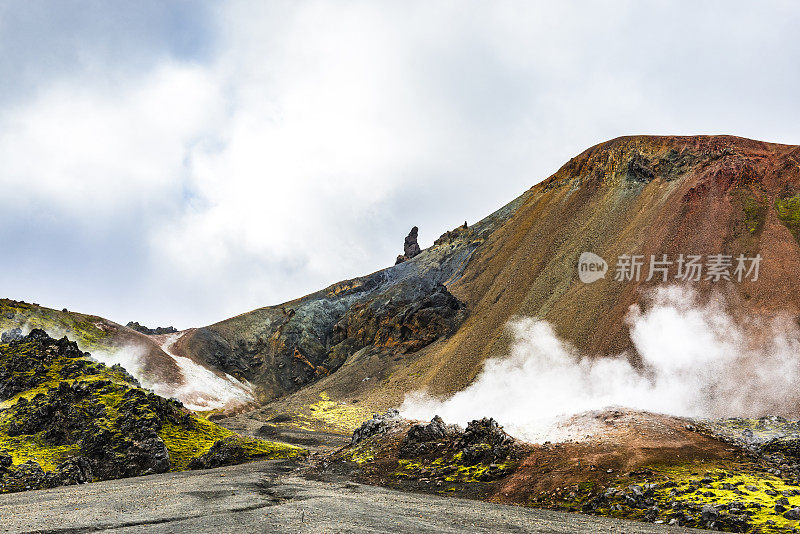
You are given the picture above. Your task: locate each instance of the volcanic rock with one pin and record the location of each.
(423, 432)
(410, 247)
(793, 514)
(422, 438)
(379, 424)
(5, 460)
(114, 428)
(484, 440)
(74, 471)
(28, 475)
(15, 334)
(133, 325)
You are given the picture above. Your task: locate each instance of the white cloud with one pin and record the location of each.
(92, 151)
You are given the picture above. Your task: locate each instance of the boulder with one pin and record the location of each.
(422, 432)
(159, 330)
(27, 476)
(793, 514)
(15, 334)
(379, 424)
(74, 471)
(421, 438)
(5, 460)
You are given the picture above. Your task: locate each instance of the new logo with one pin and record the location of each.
(591, 267)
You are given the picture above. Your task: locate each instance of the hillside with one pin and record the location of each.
(146, 357)
(732, 475)
(68, 419)
(633, 195)
(659, 417)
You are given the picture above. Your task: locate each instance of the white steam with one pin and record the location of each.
(199, 388)
(202, 389)
(130, 357)
(696, 360)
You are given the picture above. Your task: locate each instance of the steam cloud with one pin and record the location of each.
(200, 389)
(696, 360)
(203, 389)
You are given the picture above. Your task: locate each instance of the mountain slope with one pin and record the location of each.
(334, 356)
(66, 419)
(147, 357)
(633, 195)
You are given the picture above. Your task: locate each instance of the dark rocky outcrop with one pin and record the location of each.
(452, 235)
(407, 325)
(379, 424)
(301, 344)
(30, 475)
(639, 170)
(96, 422)
(74, 471)
(433, 453)
(26, 476)
(133, 325)
(32, 357)
(410, 247)
(79, 413)
(484, 440)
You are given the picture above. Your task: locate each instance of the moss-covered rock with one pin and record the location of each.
(65, 419)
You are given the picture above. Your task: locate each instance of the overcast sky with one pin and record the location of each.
(181, 162)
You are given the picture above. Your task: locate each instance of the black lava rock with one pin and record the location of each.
(379, 424)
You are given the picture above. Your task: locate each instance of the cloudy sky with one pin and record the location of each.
(181, 162)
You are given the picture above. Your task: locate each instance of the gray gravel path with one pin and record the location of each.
(273, 497)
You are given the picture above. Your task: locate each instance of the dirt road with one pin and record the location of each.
(273, 497)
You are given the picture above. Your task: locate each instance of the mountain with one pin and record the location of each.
(558, 261)
(430, 322)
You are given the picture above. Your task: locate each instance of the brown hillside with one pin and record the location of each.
(366, 342)
(632, 195)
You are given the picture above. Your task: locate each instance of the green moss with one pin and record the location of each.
(703, 483)
(335, 415)
(83, 329)
(789, 214)
(453, 468)
(186, 443)
(97, 406)
(755, 214)
(24, 448)
(360, 454)
(269, 450)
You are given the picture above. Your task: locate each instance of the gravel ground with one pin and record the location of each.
(272, 497)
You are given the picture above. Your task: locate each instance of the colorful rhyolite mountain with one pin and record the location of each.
(336, 355)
